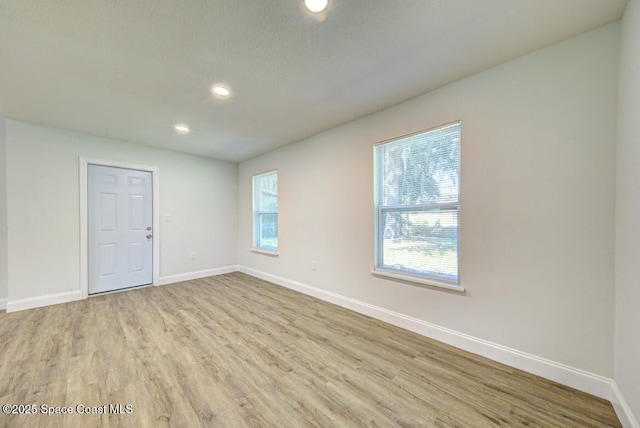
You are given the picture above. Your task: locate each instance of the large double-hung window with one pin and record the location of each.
(417, 206)
(265, 211)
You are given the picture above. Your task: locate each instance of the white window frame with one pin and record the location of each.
(257, 247)
(409, 276)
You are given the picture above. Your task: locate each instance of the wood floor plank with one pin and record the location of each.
(236, 351)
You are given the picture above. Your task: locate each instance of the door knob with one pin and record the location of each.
(149, 236)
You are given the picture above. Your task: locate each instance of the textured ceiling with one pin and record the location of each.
(131, 69)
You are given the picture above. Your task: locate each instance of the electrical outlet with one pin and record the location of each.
(193, 255)
(314, 266)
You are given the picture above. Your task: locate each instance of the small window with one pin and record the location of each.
(265, 211)
(417, 205)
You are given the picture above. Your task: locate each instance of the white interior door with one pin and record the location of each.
(120, 228)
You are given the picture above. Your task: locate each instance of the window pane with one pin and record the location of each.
(417, 203)
(268, 197)
(265, 210)
(268, 231)
(422, 242)
(422, 168)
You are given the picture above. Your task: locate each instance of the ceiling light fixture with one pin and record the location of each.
(221, 91)
(181, 128)
(316, 5)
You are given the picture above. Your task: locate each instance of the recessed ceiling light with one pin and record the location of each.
(316, 5)
(181, 128)
(221, 91)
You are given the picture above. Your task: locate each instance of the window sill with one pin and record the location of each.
(420, 281)
(272, 253)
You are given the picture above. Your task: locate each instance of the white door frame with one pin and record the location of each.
(84, 236)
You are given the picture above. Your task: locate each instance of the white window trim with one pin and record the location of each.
(255, 215)
(417, 280)
(271, 253)
(405, 276)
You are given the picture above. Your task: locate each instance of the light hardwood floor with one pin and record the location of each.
(236, 351)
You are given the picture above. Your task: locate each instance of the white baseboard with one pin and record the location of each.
(164, 280)
(70, 296)
(627, 419)
(36, 302)
(599, 386)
